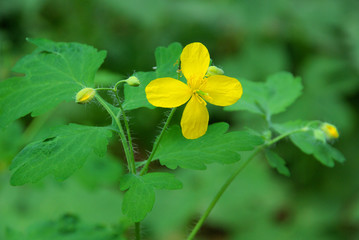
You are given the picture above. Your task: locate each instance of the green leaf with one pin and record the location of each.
(167, 60)
(308, 143)
(277, 162)
(140, 197)
(254, 94)
(63, 152)
(54, 73)
(135, 97)
(283, 90)
(269, 98)
(167, 65)
(215, 146)
(161, 180)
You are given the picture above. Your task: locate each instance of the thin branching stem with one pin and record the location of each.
(132, 160)
(120, 128)
(242, 165)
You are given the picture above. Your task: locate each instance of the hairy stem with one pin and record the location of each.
(121, 132)
(132, 159)
(157, 142)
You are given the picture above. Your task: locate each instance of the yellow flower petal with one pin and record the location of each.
(195, 118)
(222, 90)
(167, 92)
(194, 63)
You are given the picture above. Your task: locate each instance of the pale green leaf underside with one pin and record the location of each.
(215, 146)
(307, 142)
(271, 97)
(140, 197)
(54, 72)
(63, 152)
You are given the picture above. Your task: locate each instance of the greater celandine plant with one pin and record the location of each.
(57, 72)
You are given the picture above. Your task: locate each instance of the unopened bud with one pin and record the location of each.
(330, 131)
(85, 95)
(133, 81)
(213, 70)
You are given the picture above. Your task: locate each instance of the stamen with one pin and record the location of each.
(201, 93)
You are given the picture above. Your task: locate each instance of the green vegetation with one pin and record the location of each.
(281, 163)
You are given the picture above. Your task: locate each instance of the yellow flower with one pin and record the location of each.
(218, 89)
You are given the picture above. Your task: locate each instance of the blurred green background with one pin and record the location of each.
(317, 40)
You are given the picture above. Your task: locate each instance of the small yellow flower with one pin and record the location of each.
(219, 90)
(330, 131)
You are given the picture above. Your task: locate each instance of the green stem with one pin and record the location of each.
(157, 142)
(220, 193)
(242, 165)
(138, 230)
(132, 160)
(118, 83)
(121, 132)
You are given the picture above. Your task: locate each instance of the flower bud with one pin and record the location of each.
(133, 81)
(85, 95)
(213, 70)
(329, 130)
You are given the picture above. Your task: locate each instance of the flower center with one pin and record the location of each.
(202, 94)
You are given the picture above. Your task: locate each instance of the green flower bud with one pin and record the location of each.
(133, 81)
(213, 70)
(85, 95)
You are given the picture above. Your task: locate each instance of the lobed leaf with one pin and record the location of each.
(283, 90)
(167, 60)
(269, 98)
(63, 152)
(161, 180)
(167, 65)
(306, 141)
(215, 146)
(140, 197)
(54, 73)
(135, 97)
(277, 162)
